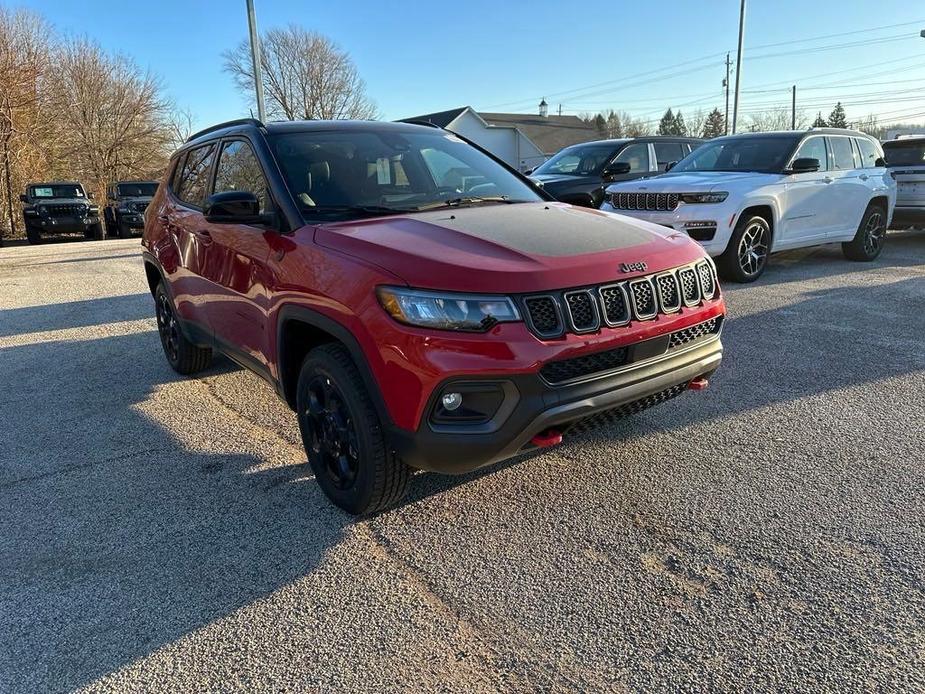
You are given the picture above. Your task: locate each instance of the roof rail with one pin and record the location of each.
(226, 124)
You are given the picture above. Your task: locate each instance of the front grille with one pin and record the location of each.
(582, 311)
(585, 309)
(599, 363)
(605, 417)
(544, 316)
(643, 296)
(556, 372)
(661, 202)
(690, 287)
(679, 338)
(139, 206)
(65, 210)
(669, 296)
(615, 304)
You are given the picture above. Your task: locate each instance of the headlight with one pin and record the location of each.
(704, 197)
(446, 310)
(92, 210)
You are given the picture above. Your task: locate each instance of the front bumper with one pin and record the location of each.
(67, 225)
(540, 406)
(723, 215)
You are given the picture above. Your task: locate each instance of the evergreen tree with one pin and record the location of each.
(820, 121)
(837, 118)
(600, 124)
(680, 127)
(715, 124)
(666, 125)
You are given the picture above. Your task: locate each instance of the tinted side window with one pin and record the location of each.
(637, 155)
(842, 153)
(194, 179)
(813, 148)
(667, 152)
(238, 169)
(174, 180)
(869, 153)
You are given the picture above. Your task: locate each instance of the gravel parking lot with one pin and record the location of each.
(158, 532)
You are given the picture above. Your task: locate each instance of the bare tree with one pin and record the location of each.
(776, 119)
(305, 76)
(23, 56)
(180, 125)
(113, 116)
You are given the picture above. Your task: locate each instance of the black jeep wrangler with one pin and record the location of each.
(59, 208)
(126, 202)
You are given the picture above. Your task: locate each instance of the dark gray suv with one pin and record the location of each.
(59, 208)
(126, 202)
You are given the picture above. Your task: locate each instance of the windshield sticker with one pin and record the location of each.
(44, 193)
(383, 173)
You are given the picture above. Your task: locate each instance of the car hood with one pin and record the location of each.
(694, 181)
(524, 247)
(62, 201)
(141, 198)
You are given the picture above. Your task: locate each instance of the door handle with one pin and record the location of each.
(827, 179)
(863, 177)
(163, 219)
(204, 236)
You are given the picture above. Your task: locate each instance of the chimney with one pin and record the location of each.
(544, 108)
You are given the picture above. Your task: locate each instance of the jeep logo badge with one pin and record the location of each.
(633, 267)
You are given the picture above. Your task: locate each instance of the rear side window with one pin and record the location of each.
(194, 178)
(238, 169)
(667, 152)
(636, 155)
(813, 148)
(842, 153)
(904, 152)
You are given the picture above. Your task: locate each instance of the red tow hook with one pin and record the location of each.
(545, 439)
(699, 383)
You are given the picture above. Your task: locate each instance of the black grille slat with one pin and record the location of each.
(65, 210)
(614, 303)
(707, 281)
(643, 295)
(690, 286)
(600, 419)
(543, 314)
(656, 202)
(582, 310)
(668, 292)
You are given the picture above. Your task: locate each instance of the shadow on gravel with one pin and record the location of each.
(75, 314)
(89, 259)
(116, 538)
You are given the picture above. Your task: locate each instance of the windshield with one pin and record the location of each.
(904, 152)
(345, 174)
(56, 191)
(137, 190)
(578, 160)
(761, 154)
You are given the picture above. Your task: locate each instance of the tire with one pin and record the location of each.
(110, 224)
(125, 232)
(33, 235)
(343, 436)
(96, 232)
(183, 356)
(746, 256)
(870, 237)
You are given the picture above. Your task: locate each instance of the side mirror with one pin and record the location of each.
(804, 165)
(89, 196)
(234, 207)
(23, 198)
(880, 162)
(530, 171)
(618, 168)
(670, 165)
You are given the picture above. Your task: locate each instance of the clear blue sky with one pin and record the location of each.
(504, 55)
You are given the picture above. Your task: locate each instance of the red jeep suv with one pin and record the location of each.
(416, 301)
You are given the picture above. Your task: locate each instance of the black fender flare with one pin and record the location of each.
(289, 313)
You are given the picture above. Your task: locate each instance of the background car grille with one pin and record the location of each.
(65, 210)
(582, 311)
(599, 419)
(598, 363)
(679, 338)
(543, 315)
(139, 206)
(642, 298)
(644, 201)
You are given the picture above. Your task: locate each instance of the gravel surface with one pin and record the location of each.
(164, 533)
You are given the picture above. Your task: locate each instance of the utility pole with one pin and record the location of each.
(726, 85)
(793, 110)
(560, 109)
(735, 105)
(255, 57)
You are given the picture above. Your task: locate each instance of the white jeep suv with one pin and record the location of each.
(743, 196)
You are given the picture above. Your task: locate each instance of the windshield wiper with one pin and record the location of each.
(469, 200)
(364, 210)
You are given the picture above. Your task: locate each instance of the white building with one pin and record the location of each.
(522, 140)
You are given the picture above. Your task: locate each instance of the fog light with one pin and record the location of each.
(451, 401)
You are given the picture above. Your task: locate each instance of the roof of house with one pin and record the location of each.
(549, 133)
